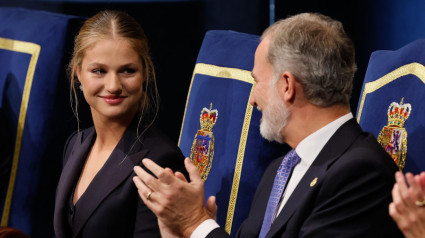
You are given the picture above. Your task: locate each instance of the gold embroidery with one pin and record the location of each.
(216, 71)
(34, 50)
(238, 167)
(393, 137)
(416, 69)
(236, 74)
(202, 151)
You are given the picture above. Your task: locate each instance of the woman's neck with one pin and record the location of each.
(109, 132)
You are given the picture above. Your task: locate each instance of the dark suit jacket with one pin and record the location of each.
(111, 206)
(350, 198)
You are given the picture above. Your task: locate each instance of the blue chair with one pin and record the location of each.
(34, 115)
(391, 104)
(220, 131)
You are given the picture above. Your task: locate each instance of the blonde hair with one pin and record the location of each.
(109, 25)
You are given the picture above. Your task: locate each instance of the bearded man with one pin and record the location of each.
(335, 182)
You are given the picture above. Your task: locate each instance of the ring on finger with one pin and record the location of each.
(420, 203)
(149, 194)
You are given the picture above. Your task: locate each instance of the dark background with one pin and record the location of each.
(175, 29)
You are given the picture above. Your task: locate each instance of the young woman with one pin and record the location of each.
(96, 196)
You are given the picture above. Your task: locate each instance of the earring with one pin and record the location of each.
(81, 87)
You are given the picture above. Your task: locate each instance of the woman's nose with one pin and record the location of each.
(113, 84)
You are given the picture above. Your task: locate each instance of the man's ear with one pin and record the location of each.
(286, 86)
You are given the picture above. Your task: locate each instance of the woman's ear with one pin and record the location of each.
(77, 73)
(77, 81)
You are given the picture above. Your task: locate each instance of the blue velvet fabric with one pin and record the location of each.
(408, 83)
(40, 151)
(230, 96)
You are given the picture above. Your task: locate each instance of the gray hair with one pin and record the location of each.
(317, 51)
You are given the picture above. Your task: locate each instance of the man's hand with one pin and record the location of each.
(212, 207)
(179, 205)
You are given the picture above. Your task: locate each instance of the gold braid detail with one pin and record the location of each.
(236, 74)
(34, 50)
(416, 69)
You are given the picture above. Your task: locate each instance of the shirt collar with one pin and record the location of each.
(310, 147)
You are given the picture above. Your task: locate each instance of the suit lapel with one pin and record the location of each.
(336, 146)
(70, 175)
(118, 167)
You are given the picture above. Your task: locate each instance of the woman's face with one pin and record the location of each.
(111, 79)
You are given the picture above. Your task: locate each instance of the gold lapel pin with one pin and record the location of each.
(313, 182)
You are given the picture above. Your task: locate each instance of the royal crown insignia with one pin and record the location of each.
(393, 137)
(202, 151)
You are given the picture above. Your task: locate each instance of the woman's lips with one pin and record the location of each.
(113, 100)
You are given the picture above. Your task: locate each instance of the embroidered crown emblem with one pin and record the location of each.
(393, 137)
(398, 113)
(208, 118)
(202, 151)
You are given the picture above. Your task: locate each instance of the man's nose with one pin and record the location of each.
(252, 100)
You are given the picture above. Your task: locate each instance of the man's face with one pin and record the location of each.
(266, 96)
(262, 74)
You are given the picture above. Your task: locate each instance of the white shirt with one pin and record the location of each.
(307, 150)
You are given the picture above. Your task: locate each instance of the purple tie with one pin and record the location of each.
(282, 176)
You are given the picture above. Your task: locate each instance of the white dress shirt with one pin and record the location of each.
(307, 150)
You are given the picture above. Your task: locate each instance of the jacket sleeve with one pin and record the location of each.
(218, 233)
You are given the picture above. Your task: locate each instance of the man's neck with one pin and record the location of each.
(308, 119)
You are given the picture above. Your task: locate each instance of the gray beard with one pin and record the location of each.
(275, 117)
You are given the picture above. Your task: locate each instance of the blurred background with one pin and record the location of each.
(175, 29)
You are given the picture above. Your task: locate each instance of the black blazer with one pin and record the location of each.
(111, 206)
(350, 197)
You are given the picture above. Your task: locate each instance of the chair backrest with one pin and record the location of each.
(391, 104)
(34, 114)
(220, 130)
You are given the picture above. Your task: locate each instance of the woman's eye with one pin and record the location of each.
(129, 71)
(98, 71)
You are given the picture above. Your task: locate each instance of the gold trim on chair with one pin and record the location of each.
(238, 167)
(416, 69)
(34, 50)
(237, 74)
